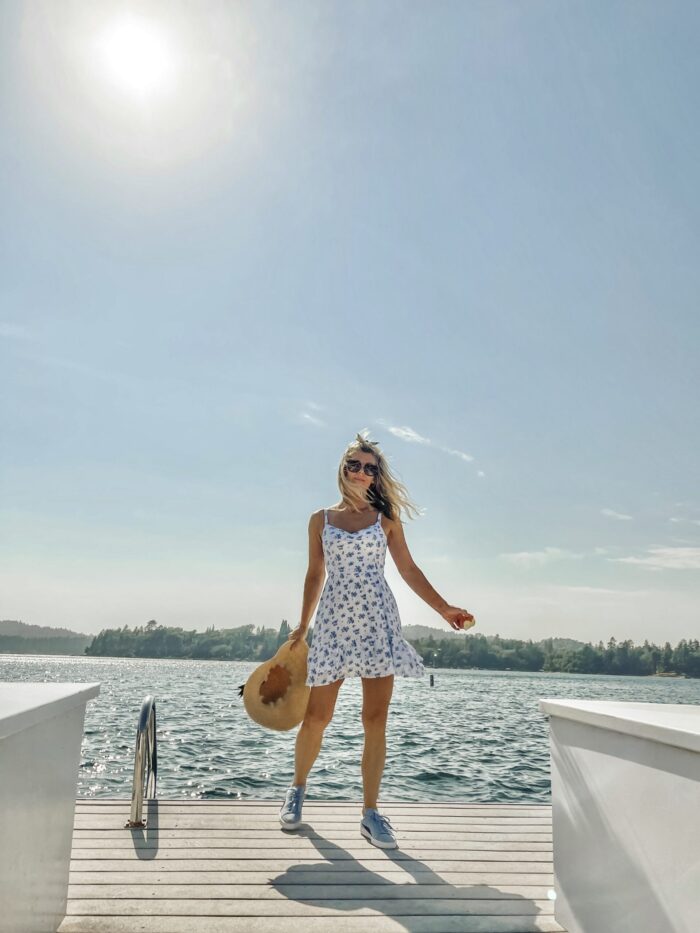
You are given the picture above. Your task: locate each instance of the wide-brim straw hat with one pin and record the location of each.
(275, 695)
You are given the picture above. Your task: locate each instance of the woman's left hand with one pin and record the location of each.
(458, 618)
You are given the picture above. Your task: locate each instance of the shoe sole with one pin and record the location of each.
(375, 842)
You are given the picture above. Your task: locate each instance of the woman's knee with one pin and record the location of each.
(319, 709)
(375, 718)
(376, 697)
(318, 718)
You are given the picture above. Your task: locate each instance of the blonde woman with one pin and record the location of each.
(357, 629)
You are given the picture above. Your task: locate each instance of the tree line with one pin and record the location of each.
(251, 643)
(70, 644)
(623, 657)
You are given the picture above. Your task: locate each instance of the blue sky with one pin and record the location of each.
(470, 229)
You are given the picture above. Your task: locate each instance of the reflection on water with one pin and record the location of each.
(475, 736)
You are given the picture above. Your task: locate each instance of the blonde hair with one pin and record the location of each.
(386, 492)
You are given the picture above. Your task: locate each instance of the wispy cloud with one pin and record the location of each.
(411, 436)
(611, 513)
(82, 369)
(537, 558)
(10, 331)
(307, 416)
(408, 434)
(665, 558)
(457, 453)
(597, 590)
(312, 419)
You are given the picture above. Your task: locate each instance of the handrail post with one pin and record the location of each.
(145, 763)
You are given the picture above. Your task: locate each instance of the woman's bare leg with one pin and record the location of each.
(376, 695)
(319, 713)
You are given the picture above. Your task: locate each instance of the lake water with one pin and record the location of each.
(476, 736)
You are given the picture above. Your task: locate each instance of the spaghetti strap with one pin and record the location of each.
(325, 517)
(379, 517)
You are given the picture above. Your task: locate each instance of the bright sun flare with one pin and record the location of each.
(135, 56)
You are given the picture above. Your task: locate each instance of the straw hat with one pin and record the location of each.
(275, 695)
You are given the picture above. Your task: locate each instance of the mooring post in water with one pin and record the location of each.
(432, 680)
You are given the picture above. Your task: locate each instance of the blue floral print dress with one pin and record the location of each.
(357, 628)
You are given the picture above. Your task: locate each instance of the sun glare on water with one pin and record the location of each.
(135, 56)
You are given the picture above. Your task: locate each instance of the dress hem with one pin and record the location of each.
(369, 676)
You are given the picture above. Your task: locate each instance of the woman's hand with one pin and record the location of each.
(298, 634)
(458, 618)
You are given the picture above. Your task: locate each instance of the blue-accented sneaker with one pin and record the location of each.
(378, 829)
(290, 811)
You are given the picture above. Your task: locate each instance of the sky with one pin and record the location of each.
(234, 235)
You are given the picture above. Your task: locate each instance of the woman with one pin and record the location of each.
(358, 629)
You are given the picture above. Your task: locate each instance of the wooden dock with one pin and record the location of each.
(203, 866)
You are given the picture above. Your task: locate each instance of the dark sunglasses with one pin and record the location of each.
(355, 465)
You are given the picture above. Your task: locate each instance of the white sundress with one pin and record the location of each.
(357, 629)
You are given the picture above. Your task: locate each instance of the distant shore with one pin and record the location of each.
(438, 649)
(256, 661)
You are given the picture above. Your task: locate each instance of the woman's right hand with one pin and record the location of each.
(297, 635)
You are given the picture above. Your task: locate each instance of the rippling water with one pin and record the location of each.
(476, 736)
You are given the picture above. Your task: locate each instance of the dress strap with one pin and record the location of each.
(379, 517)
(325, 517)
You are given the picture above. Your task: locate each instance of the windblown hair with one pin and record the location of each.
(386, 492)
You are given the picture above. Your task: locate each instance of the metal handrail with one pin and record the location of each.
(145, 763)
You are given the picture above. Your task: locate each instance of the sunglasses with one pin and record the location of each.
(355, 465)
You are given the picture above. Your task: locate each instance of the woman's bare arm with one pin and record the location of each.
(417, 580)
(316, 572)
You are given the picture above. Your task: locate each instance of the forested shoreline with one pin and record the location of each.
(70, 645)
(438, 648)
(450, 650)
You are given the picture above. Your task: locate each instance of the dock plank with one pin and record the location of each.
(377, 923)
(226, 866)
(259, 860)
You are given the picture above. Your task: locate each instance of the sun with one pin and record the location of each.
(134, 55)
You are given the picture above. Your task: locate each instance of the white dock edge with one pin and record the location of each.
(625, 815)
(41, 730)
